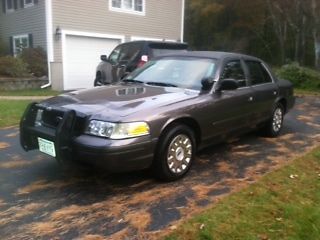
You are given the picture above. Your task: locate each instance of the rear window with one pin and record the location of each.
(157, 52)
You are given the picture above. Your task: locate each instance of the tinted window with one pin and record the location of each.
(155, 52)
(233, 70)
(258, 74)
(125, 53)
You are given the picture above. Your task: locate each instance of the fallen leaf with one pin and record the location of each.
(202, 226)
(173, 227)
(263, 237)
(293, 176)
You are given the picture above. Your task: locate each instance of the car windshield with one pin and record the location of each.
(174, 72)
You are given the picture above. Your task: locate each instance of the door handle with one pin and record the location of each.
(275, 92)
(250, 99)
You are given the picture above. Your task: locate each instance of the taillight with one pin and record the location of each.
(143, 60)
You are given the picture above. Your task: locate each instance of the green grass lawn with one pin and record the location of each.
(276, 207)
(30, 92)
(11, 111)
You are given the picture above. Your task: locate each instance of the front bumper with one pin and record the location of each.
(115, 155)
(71, 145)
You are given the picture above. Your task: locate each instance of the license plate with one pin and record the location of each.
(47, 147)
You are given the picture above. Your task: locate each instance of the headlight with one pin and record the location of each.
(38, 120)
(117, 130)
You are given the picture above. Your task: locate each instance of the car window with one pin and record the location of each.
(129, 52)
(234, 70)
(258, 73)
(155, 52)
(181, 72)
(125, 53)
(114, 56)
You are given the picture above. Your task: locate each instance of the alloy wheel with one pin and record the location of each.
(179, 154)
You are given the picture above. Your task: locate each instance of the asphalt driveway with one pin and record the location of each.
(39, 199)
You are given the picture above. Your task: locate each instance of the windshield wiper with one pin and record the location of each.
(162, 84)
(131, 81)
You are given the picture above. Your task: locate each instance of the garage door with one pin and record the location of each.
(82, 55)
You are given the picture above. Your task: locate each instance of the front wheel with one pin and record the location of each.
(274, 125)
(175, 153)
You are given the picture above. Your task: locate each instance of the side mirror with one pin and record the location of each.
(104, 58)
(228, 84)
(207, 83)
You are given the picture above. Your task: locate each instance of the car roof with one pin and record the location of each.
(149, 42)
(211, 54)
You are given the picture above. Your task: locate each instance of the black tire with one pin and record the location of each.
(172, 166)
(98, 81)
(274, 126)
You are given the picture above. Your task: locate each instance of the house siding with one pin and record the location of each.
(30, 20)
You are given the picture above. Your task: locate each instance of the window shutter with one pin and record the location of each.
(30, 40)
(11, 46)
(15, 4)
(22, 3)
(4, 6)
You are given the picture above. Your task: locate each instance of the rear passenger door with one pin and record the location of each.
(264, 88)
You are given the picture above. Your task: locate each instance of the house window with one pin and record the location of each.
(19, 43)
(9, 5)
(128, 6)
(28, 3)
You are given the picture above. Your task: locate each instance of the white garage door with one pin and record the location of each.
(82, 55)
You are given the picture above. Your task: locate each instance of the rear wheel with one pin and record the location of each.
(175, 153)
(98, 81)
(274, 125)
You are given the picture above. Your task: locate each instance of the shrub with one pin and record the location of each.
(301, 77)
(36, 58)
(13, 67)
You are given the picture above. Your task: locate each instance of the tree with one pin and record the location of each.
(315, 13)
(275, 30)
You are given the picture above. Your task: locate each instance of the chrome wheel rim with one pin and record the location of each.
(277, 120)
(179, 154)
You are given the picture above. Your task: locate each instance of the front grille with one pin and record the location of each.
(79, 125)
(52, 118)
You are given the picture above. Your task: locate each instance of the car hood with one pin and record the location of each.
(120, 100)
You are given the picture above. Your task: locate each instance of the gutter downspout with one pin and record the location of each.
(182, 20)
(49, 33)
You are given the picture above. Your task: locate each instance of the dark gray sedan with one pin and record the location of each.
(161, 114)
